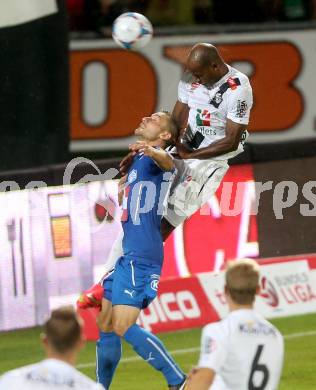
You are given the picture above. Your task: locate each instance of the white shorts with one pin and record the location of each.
(193, 185)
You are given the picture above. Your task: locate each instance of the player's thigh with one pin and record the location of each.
(104, 318)
(123, 317)
(193, 189)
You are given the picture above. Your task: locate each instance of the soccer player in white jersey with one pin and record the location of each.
(62, 340)
(214, 103)
(243, 351)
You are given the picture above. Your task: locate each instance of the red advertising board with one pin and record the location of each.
(288, 287)
(181, 304)
(223, 229)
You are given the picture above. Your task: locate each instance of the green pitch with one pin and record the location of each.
(22, 347)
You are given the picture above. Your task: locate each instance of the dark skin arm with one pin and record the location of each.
(126, 162)
(180, 115)
(224, 145)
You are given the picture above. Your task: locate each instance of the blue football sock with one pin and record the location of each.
(151, 349)
(109, 351)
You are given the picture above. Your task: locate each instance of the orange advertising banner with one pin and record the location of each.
(112, 89)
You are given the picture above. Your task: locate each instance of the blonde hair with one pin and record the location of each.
(242, 280)
(170, 127)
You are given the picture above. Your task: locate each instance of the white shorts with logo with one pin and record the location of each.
(194, 184)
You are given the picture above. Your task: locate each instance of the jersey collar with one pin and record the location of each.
(224, 78)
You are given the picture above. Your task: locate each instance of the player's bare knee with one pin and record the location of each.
(104, 318)
(104, 326)
(120, 327)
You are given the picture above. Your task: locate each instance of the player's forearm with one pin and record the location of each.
(218, 148)
(180, 115)
(163, 159)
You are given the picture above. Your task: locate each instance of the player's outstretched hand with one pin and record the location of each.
(126, 163)
(142, 147)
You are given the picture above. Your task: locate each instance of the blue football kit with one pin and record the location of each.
(134, 281)
(136, 276)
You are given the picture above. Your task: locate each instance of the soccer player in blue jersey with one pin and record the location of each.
(133, 284)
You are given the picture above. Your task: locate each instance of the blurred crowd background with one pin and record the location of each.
(97, 15)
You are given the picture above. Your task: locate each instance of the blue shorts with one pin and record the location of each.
(133, 282)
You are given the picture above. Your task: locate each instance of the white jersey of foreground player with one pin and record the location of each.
(210, 107)
(244, 350)
(48, 374)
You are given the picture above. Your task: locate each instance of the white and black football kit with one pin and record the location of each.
(244, 350)
(48, 374)
(209, 108)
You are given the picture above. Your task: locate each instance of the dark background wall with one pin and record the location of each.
(34, 97)
(295, 233)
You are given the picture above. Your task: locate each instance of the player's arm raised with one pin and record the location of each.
(200, 379)
(224, 145)
(160, 156)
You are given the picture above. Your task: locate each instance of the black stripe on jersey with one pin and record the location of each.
(216, 169)
(218, 97)
(196, 140)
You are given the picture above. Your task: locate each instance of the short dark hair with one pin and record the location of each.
(63, 329)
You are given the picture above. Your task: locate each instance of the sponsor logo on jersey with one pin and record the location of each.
(132, 176)
(194, 86)
(49, 379)
(232, 83)
(207, 131)
(256, 328)
(218, 97)
(185, 180)
(129, 292)
(203, 117)
(241, 108)
(210, 345)
(154, 284)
